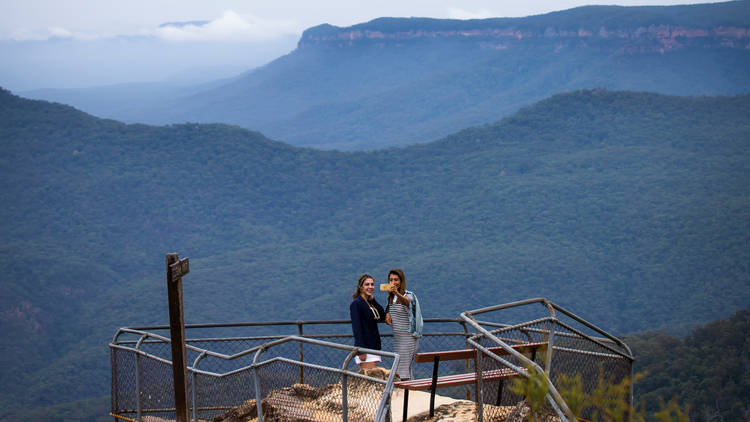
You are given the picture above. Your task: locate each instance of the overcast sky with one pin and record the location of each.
(69, 43)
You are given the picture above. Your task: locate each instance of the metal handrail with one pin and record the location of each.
(273, 323)
(553, 396)
(552, 306)
(482, 329)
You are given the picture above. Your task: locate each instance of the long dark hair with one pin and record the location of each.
(402, 287)
(360, 282)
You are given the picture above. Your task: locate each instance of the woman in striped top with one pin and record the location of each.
(405, 316)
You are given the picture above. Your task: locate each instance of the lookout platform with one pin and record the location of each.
(305, 368)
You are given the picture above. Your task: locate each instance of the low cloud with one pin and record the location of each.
(231, 26)
(455, 13)
(58, 32)
(52, 32)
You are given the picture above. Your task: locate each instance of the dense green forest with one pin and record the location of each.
(708, 369)
(423, 79)
(627, 208)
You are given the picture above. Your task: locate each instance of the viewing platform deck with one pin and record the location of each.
(304, 370)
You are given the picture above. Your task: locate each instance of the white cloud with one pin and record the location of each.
(456, 13)
(49, 33)
(59, 32)
(28, 35)
(231, 26)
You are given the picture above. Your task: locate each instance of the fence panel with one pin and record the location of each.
(224, 372)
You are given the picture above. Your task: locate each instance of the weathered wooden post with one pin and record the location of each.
(176, 268)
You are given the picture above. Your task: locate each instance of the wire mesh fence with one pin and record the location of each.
(569, 351)
(308, 372)
(499, 369)
(294, 378)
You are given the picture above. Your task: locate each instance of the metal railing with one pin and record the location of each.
(221, 370)
(268, 363)
(595, 356)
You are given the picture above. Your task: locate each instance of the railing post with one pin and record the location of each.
(195, 385)
(467, 365)
(113, 398)
(301, 355)
(138, 386)
(258, 398)
(344, 386)
(195, 405)
(479, 386)
(138, 377)
(344, 399)
(256, 383)
(550, 339)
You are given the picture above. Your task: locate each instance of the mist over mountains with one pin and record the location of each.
(403, 81)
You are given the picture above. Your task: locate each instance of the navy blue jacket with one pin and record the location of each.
(364, 324)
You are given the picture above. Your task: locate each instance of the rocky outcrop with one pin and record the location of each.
(247, 411)
(304, 403)
(456, 412)
(464, 411)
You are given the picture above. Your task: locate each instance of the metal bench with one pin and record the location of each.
(460, 379)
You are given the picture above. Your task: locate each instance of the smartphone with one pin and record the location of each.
(385, 287)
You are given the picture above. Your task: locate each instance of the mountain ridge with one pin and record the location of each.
(358, 93)
(661, 30)
(635, 199)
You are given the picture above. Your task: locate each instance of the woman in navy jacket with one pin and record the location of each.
(365, 313)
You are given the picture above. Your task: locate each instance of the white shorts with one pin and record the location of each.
(368, 358)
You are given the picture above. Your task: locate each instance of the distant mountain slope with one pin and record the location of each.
(707, 369)
(628, 208)
(403, 81)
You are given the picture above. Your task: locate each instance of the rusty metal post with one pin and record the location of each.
(177, 335)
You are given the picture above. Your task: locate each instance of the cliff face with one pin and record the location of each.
(642, 28)
(649, 38)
